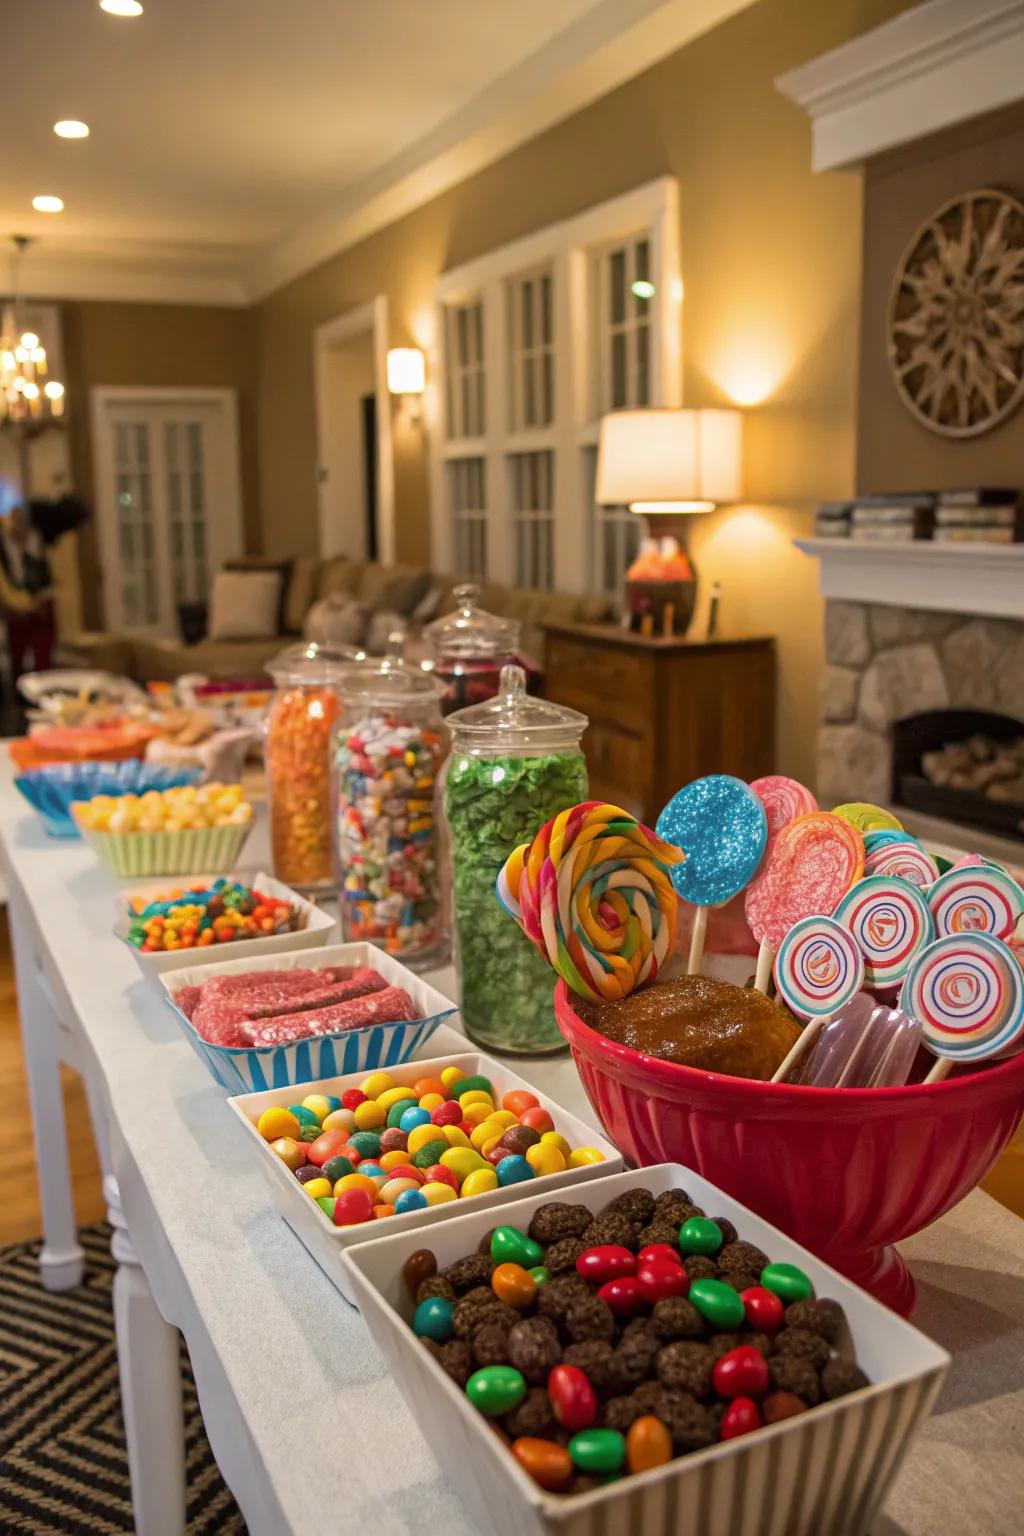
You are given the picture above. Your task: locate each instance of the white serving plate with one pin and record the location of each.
(326, 1241)
(317, 926)
(253, 1069)
(823, 1473)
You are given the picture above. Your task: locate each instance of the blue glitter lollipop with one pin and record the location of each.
(720, 824)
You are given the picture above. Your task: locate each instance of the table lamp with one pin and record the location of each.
(666, 465)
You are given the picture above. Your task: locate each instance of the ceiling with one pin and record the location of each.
(236, 142)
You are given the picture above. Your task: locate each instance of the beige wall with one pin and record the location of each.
(895, 451)
(770, 258)
(173, 346)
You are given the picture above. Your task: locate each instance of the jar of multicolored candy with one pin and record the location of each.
(299, 739)
(390, 746)
(515, 763)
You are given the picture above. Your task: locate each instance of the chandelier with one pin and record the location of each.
(27, 393)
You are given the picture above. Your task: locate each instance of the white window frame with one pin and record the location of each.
(566, 248)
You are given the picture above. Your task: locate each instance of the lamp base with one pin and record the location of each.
(661, 607)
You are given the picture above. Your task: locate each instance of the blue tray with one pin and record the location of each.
(51, 791)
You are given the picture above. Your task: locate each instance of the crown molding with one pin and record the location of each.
(929, 68)
(162, 276)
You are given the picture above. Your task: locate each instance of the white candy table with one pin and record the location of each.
(307, 1429)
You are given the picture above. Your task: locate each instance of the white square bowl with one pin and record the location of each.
(326, 1241)
(316, 928)
(252, 1069)
(823, 1473)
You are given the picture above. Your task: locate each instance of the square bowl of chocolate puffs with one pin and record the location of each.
(645, 1356)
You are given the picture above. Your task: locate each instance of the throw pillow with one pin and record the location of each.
(395, 587)
(299, 592)
(266, 563)
(336, 620)
(244, 605)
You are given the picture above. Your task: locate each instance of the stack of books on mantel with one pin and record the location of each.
(979, 515)
(970, 515)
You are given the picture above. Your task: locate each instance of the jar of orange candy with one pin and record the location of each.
(299, 736)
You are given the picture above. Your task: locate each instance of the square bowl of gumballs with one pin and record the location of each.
(300, 1017)
(171, 927)
(645, 1355)
(413, 1145)
(191, 830)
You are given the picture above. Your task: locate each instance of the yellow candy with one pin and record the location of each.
(485, 1131)
(505, 1117)
(437, 1194)
(277, 1122)
(431, 1101)
(455, 1136)
(340, 1120)
(476, 1113)
(480, 1182)
(370, 1115)
(389, 1160)
(491, 1143)
(356, 1181)
(392, 1096)
(463, 1161)
(450, 1076)
(583, 1156)
(475, 1096)
(316, 1187)
(554, 1139)
(394, 1187)
(292, 1153)
(376, 1084)
(421, 1136)
(545, 1159)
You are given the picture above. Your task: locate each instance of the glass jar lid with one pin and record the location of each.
(471, 633)
(390, 681)
(513, 718)
(310, 665)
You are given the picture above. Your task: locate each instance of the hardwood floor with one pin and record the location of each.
(19, 1203)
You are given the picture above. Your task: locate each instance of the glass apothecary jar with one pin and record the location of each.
(298, 733)
(515, 763)
(390, 746)
(469, 647)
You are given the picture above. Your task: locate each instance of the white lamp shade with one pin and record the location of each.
(406, 371)
(669, 461)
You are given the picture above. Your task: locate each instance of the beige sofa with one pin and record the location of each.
(397, 589)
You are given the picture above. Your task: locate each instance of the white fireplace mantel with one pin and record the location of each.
(982, 579)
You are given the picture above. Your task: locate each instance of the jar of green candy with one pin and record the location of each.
(515, 763)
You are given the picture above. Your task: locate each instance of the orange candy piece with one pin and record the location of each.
(548, 1464)
(425, 1085)
(518, 1099)
(380, 1211)
(513, 1285)
(648, 1444)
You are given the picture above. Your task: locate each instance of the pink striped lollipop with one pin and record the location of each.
(783, 800)
(904, 860)
(818, 967)
(977, 898)
(967, 992)
(890, 921)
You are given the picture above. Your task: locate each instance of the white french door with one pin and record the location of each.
(168, 499)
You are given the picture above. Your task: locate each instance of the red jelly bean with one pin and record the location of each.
(608, 1262)
(330, 1144)
(439, 1174)
(572, 1397)
(404, 1171)
(494, 1155)
(763, 1308)
(537, 1119)
(352, 1206)
(742, 1373)
(448, 1113)
(659, 1251)
(739, 1418)
(662, 1277)
(352, 1098)
(622, 1295)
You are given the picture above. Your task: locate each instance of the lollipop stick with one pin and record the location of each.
(942, 1068)
(798, 1050)
(700, 928)
(764, 968)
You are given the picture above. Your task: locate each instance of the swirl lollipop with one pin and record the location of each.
(976, 898)
(890, 921)
(783, 800)
(882, 835)
(905, 860)
(810, 865)
(818, 967)
(967, 992)
(867, 817)
(593, 893)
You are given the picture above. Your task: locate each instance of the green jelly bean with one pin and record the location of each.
(427, 1156)
(309, 1132)
(336, 1168)
(788, 1282)
(598, 1450)
(303, 1115)
(718, 1302)
(699, 1235)
(396, 1112)
(539, 1275)
(366, 1143)
(495, 1390)
(510, 1246)
(326, 1204)
(468, 1084)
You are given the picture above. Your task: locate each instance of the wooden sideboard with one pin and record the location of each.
(663, 711)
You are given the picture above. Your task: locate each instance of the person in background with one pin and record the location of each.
(26, 594)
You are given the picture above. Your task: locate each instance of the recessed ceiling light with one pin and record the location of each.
(48, 204)
(121, 7)
(71, 128)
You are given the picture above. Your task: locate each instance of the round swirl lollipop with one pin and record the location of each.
(811, 864)
(890, 921)
(882, 835)
(976, 898)
(905, 860)
(783, 800)
(818, 967)
(967, 992)
(593, 892)
(867, 817)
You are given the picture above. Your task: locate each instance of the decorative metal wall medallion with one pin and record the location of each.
(956, 315)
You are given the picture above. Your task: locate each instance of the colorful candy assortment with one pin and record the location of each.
(170, 810)
(300, 730)
(387, 1148)
(387, 837)
(599, 1346)
(196, 917)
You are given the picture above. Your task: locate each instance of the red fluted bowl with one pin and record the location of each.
(847, 1172)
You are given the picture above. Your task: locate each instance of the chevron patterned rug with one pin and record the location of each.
(63, 1462)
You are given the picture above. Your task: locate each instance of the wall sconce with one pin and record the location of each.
(407, 377)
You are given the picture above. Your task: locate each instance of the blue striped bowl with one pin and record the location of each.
(53, 790)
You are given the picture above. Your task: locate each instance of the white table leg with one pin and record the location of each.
(62, 1259)
(149, 1361)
